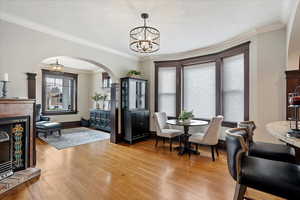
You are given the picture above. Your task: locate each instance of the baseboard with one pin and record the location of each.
(72, 124)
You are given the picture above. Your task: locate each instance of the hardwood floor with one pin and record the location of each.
(107, 171)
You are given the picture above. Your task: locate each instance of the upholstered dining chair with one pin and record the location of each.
(210, 136)
(269, 151)
(274, 177)
(163, 130)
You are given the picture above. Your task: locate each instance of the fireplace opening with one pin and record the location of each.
(5, 155)
(14, 133)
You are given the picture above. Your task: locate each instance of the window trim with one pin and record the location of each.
(46, 72)
(218, 59)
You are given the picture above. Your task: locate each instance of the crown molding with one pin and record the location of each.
(59, 34)
(241, 38)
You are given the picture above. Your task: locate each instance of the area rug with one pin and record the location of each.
(73, 137)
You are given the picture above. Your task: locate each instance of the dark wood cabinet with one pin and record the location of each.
(100, 119)
(292, 81)
(136, 125)
(135, 113)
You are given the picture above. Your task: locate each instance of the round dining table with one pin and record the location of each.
(185, 137)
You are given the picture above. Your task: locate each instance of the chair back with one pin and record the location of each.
(236, 149)
(213, 130)
(160, 119)
(38, 108)
(250, 126)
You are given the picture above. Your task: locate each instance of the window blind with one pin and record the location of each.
(233, 88)
(167, 90)
(200, 89)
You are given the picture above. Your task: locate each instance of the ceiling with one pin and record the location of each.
(184, 25)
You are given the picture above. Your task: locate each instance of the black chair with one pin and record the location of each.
(274, 177)
(277, 152)
(38, 115)
(44, 125)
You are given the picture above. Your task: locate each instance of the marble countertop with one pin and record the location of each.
(279, 130)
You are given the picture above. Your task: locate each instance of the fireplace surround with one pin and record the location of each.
(17, 124)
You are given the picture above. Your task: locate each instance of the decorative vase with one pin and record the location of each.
(134, 76)
(97, 106)
(186, 121)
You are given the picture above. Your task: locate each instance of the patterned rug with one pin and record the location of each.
(73, 137)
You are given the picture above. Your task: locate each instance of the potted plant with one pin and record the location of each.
(134, 73)
(97, 97)
(186, 116)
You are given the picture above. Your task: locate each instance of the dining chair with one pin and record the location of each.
(210, 136)
(274, 177)
(265, 150)
(163, 130)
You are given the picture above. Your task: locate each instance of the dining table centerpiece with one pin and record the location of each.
(185, 116)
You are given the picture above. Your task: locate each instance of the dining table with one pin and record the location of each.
(186, 149)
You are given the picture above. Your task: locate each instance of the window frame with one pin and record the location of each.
(46, 72)
(218, 59)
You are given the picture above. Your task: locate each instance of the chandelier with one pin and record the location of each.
(144, 39)
(56, 66)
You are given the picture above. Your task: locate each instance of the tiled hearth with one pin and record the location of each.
(18, 178)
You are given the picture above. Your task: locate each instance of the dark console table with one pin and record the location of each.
(100, 119)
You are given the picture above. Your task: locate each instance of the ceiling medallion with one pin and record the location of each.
(56, 67)
(144, 39)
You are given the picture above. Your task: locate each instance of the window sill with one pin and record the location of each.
(59, 113)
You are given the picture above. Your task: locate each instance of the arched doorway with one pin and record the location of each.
(75, 62)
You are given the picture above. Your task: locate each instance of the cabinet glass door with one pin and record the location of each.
(143, 95)
(132, 94)
(140, 94)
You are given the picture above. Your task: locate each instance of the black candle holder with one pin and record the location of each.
(4, 89)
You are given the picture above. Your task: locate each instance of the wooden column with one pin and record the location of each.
(31, 84)
(114, 113)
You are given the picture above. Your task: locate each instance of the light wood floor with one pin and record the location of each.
(107, 171)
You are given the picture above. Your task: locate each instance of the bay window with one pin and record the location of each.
(210, 85)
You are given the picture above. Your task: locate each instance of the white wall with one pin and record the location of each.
(23, 49)
(293, 39)
(267, 81)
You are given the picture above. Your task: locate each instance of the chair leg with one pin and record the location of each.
(179, 140)
(217, 151)
(156, 142)
(59, 132)
(196, 147)
(170, 144)
(240, 191)
(212, 153)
